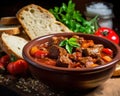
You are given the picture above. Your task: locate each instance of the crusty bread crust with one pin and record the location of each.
(38, 21)
(9, 20)
(10, 29)
(16, 45)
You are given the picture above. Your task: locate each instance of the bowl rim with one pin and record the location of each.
(30, 60)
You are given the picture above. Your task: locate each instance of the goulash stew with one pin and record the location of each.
(73, 52)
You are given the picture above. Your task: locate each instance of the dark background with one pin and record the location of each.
(10, 7)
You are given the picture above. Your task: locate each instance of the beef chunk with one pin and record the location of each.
(99, 46)
(56, 51)
(99, 61)
(55, 41)
(75, 56)
(86, 61)
(93, 51)
(63, 61)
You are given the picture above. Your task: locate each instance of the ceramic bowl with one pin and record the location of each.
(71, 79)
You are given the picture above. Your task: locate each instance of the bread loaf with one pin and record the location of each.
(12, 44)
(38, 21)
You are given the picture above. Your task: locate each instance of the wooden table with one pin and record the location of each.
(110, 88)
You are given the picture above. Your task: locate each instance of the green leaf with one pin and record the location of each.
(71, 6)
(13, 58)
(69, 44)
(64, 7)
(74, 44)
(72, 39)
(86, 23)
(56, 9)
(69, 48)
(63, 43)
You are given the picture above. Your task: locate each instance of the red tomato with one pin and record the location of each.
(108, 33)
(107, 51)
(2, 69)
(18, 67)
(5, 60)
(40, 54)
(10, 68)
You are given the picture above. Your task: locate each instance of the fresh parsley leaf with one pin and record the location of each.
(68, 48)
(63, 43)
(69, 44)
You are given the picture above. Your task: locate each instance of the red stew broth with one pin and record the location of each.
(87, 55)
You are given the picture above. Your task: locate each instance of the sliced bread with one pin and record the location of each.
(117, 70)
(38, 21)
(12, 44)
(10, 29)
(9, 20)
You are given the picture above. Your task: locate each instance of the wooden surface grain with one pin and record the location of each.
(110, 88)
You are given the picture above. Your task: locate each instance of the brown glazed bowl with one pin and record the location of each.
(71, 79)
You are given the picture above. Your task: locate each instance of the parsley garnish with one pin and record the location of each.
(69, 44)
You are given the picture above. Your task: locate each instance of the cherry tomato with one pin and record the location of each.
(40, 54)
(37, 53)
(17, 67)
(107, 51)
(5, 60)
(108, 33)
(10, 68)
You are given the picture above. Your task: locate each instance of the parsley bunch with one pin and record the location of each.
(73, 19)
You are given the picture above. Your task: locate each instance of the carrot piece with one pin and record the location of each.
(91, 42)
(33, 50)
(107, 58)
(87, 43)
(93, 65)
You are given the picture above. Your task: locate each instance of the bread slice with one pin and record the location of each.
(117, 70)
(38, 21)
(12, 44)
(9, 20)
(10, 29)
